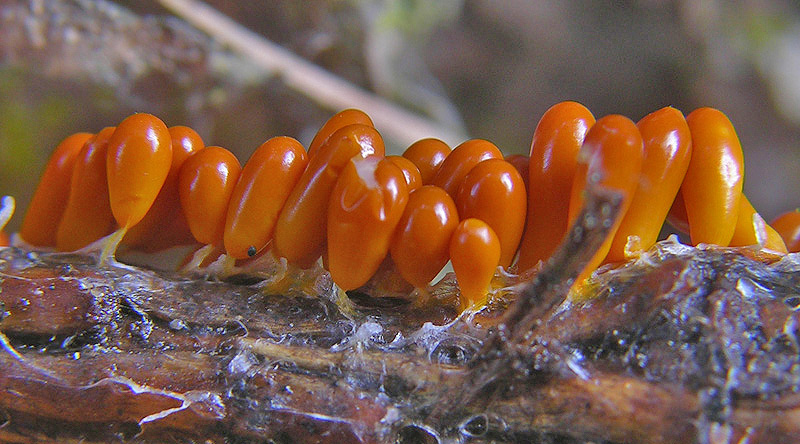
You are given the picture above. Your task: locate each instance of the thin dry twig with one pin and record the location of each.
(311, 80)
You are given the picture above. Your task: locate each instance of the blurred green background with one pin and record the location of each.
(479, 68)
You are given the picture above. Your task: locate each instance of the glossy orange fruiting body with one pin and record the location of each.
(50, 199)
(712, 187)
(421, 243)
(4, 240)
(205, 185)
(87, 216)
(788, 227)
(164, 224)
(460, 161)
(185, 142)
(553, 159)
(357, 203)
(410, 171)
(138, 161)
(427, 155)
(493, 191)
(301, 227)
(522, 163)
(365, 207)
(667, 150)
(610, 158)
(751, 229)
(475, 254)
(261, 192)
(339, 120)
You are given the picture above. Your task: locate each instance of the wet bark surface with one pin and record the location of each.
(682, 345)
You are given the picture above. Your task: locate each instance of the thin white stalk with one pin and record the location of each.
(7, 205)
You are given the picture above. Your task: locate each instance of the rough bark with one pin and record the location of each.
(682, 345)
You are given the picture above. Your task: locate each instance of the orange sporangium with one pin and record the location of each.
(421, 243)
(88, 215)
(205, 185)
(50, 199)
(610, 158)
(493, 191)
(553, 158)
(427, 155)
(460, 161)
(339, 120)
(365, 207)
(137, 164)
(475, 254)
(712, 187)
(410, 171)
(667, 150)
(263, 187)
(300, 231)
(164, 224)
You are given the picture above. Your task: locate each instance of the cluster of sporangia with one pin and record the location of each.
(342, 200)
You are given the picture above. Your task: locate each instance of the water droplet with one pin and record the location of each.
(452, 354)
(476, 426)
(412, 434)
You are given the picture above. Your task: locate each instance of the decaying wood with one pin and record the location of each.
(682, 345)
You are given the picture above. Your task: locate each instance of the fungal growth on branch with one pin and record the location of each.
(347, 204)
(563, 310)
